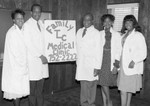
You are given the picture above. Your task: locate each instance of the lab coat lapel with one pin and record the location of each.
(128, 41)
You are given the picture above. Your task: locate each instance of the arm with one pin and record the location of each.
(98, 49)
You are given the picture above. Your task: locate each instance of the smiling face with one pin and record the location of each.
(129, 25)
(87, 21)
(19, 20)
(108, 23)
(36, 13)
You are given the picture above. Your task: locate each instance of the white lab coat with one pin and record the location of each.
(89, 54)
(134, 49)
(115, 45)
(15, 74)
(34, 39)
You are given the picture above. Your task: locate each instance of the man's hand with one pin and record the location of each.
(96, 72)
(131, 65)
(114, 70)
(43, 59)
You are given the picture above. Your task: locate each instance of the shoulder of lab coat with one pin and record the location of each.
(28, 40)
(140, 52)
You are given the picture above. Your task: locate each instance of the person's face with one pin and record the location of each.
(87, 21)
(36, 13)
(19, 20)
(129, 25)
(108, 23)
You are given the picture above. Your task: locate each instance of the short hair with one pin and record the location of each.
(89, 14)
(135, 23)
(109, 16)
(17, 11)
(36, 5)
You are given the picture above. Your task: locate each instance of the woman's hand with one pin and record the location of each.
(114, 70)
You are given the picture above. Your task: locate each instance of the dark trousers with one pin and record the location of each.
(36, 93)
(88, 93)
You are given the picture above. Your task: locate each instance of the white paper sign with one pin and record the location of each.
(60, 40)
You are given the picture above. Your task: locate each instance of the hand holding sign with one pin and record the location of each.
(43, 59)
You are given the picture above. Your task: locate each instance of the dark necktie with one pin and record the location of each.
(84, 32)
(38, 26)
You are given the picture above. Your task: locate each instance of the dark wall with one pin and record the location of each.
(25, 4)
(75, 9)
(99, 7)
(70, 9)
(144, 21)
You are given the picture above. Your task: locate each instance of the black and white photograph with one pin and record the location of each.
(74, 53)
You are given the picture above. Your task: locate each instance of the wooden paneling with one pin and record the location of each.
(25, 4)
(99, 8)
(144, 21)
(70, 9)
(62, 75)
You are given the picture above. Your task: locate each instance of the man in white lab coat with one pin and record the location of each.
(89, 58)
(37, 62)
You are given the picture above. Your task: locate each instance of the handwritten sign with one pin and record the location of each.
(60, 40)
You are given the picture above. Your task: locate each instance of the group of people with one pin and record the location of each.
(24, 65)
(106, 58)
(109, 58)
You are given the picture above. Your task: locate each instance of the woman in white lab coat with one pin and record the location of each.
(15, 76)
(111, 57)
(134, 52)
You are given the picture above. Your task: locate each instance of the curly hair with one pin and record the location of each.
(105, 16)
(17, 11)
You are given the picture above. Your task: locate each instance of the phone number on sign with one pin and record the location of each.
(59, 58)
